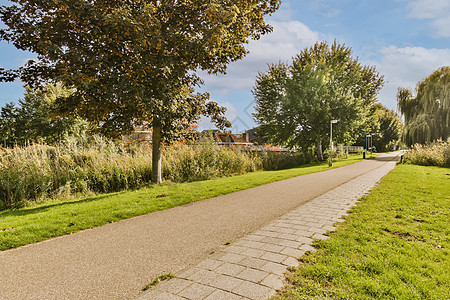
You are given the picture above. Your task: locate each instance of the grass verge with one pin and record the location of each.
(51, 219)
(394, 245)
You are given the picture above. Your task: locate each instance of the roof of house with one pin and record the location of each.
(229, 138)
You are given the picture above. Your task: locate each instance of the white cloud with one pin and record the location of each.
(231, 114)
(405, 67)
(437, 11)
(286, 40)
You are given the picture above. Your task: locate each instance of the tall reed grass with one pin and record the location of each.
(97, 165)
(284, 160)
(39, 171)
(207, 160)
(434, 154)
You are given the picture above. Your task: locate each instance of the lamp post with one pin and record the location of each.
(331, 140)
(369, 145)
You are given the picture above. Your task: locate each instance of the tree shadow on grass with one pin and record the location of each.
(34, 210)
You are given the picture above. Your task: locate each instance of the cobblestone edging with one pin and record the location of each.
(253, 267)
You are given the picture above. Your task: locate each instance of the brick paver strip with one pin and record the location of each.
(253, 266)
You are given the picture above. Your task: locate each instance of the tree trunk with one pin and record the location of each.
(156, 152)
(319, 150)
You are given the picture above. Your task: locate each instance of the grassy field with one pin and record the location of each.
(394, 245)
(51, 219)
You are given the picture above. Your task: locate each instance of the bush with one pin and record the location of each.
(434, 154)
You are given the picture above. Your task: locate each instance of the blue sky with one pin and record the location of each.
(405, 39)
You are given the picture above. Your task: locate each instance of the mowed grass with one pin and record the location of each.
(51, 219)
(394, 244)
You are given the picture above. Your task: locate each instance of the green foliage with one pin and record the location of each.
(295, 103)
(133, 62)
(386, 129)
(393, 245)
(33, 120)
(434, 154)
(39, 171)
(427, 115)
(285, 160)
(390, 127)
(52, 218)
(97, 165)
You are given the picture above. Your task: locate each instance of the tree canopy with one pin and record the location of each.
(296, 102)
(385, 127)
(132, 62)
(427, 114)
(32, 120)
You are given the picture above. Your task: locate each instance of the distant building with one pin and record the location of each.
(252, 136)
(248, 140)
(141, 134)
(227, 139)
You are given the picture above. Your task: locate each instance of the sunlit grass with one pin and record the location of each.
(52, 218)
(394, 245)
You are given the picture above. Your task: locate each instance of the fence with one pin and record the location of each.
(352, 149)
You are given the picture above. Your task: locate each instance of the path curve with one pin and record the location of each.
(117, 260)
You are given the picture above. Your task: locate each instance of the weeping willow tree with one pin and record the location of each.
(427, 115)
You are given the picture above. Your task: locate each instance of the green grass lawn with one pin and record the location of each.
(51, 219)
(394, 245)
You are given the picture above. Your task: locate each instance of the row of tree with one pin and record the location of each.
(295, 104)
(129, 63)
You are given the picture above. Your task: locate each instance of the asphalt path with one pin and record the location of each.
(117, 260)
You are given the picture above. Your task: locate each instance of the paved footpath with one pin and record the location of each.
(117, 260)
(253, 266)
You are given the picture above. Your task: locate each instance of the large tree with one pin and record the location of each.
(386, 128)
(133, 62)
(427, 114)
(295, 103)
(389, 129)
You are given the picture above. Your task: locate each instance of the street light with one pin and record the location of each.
(369, 145)
(331, 140)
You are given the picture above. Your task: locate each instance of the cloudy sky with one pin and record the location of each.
(405, 39)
